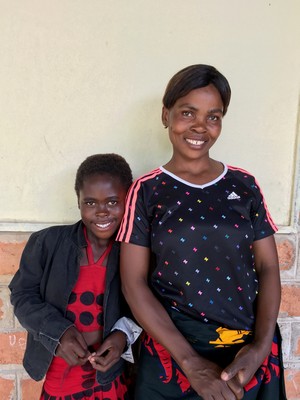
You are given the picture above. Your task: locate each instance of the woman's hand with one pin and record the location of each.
(205, 379)
(203, 375)
(246, 363)
(73, 348)
(109, 352)
(251, 356)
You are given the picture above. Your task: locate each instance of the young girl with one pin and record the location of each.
(66, 293)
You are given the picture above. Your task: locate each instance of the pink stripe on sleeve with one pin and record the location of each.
(269, 218)
(126, 227)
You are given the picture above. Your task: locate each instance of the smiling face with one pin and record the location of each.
(195, 123)
(101, 202)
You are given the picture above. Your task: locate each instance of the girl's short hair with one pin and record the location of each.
(104, 164)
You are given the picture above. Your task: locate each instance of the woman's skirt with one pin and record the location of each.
(160, 378)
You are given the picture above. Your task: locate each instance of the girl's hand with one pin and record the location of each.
(109, 352)
(246, 363)
(73, 348)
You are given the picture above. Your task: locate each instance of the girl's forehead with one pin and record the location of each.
(103, 181)
(102, 177)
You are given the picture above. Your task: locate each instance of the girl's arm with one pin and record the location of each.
(203, 375)
(251, 357)
(109, 352)
(41, 319)
(132, 331)
(117, 344)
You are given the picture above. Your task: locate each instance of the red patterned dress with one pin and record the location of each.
(85, 309)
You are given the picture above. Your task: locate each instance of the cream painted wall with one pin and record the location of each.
(81, 77)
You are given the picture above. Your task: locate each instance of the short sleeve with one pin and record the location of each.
(263, 224)
(136, 223)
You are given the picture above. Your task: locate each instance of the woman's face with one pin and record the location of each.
(195, 122)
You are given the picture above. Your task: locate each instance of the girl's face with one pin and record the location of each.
(101, 202)
(195, 122)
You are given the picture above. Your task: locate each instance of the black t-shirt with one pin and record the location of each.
(201, 237)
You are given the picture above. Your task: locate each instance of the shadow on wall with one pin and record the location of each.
(149, 141)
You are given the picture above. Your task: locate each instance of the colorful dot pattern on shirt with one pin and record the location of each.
(202, 237)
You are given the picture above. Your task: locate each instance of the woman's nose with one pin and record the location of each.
(199, 124)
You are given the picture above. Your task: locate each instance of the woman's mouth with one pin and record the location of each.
(195, 142)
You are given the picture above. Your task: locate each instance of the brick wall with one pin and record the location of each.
(15, 383)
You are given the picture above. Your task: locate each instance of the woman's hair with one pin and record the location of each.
(194, 77)
(104, 164)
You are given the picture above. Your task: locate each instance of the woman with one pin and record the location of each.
(198, 261)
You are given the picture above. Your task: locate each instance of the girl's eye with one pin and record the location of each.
(90, 203)
(112, 202)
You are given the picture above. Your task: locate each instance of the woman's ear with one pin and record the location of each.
(165, 116)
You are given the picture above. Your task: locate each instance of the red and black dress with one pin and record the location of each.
(85, 309)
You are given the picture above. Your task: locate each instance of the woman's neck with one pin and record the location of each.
(197, 172)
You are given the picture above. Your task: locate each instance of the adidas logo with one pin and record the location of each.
(233, 196)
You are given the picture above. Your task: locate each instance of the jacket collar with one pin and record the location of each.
(78, 237)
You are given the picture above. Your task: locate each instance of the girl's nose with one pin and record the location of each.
(102, 209)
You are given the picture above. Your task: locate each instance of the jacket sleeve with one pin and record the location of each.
(41, 319)
(132, 332)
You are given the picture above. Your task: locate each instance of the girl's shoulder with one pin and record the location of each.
(54, 233)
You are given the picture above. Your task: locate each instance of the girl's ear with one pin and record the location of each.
(165, 116)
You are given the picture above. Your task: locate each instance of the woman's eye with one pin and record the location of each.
(187, 113)
(213, 118)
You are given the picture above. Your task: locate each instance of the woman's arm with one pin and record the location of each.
(203, 375)
(250, 358)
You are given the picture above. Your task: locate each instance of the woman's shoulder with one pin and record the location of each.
(149, 175)
(245, 178)
(145, 181)
(240, 173)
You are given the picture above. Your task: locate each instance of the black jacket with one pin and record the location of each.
(41, 288)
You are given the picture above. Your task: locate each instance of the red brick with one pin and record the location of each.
(7, 388)
(286, 254)
(290, 304)
(292, 382)
(1, 309)
(31, 390)
(10, 254)
(12, 346)
(298, 348)
(6, 310)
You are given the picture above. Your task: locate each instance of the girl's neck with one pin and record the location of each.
(98, 245)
